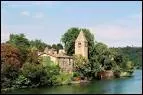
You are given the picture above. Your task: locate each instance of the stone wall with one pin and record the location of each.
(66, 64)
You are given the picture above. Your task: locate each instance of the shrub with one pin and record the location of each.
(10, 64)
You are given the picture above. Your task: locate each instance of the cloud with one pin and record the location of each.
(39, 15)
(25, 13)
(122, 32)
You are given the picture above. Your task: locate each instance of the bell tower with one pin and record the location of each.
(81, 45)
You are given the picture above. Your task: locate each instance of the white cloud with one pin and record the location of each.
(25, 13)
(39, 15)
(123, 32)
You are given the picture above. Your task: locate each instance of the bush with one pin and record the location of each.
(35, 73)
(21, 82)
(63, 78)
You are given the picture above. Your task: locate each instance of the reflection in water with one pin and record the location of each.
(122, 85)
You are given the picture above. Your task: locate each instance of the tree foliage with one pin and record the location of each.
(38, 44)
(10, 64)
(21, 42)
(70, 36)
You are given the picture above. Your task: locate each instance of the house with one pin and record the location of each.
(66, 62)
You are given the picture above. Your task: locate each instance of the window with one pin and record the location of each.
(79, 44)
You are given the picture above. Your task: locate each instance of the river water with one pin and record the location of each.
(130, 85)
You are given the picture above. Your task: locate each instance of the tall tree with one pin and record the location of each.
(71, 35)
(21, 42)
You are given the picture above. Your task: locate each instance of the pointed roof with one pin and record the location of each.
(81, 37)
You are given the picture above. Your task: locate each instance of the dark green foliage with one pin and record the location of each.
(39, 45)
(69, 39)
(32, 75)
(133, 53)
(57, 47)
(8, 74)
(70, 36)
(36, 75)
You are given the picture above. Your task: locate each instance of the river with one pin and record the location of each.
(130, 85)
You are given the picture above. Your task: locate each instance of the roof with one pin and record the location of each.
(81, 37)
(64, 56)
(57, 55)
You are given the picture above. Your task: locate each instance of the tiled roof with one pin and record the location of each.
(56, 55)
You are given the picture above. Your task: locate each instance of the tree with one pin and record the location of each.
(21, 42)
(38, 44)
(81, 65)
(54, 46)
(10, 64)
(35, 74)
(59, 46)
(10, 55)
(71, 35)
(69, 39)
(32, 55)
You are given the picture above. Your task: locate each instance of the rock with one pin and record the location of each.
(108, 74)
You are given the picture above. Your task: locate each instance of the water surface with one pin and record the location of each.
(130, 85)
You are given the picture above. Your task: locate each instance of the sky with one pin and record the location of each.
(115, 23)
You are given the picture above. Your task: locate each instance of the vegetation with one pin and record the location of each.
(70, 36)
(10, 64)
(134, 54)
(101, 57)
(22, 67)
(57, 47)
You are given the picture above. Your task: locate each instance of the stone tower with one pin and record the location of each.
(81, 45)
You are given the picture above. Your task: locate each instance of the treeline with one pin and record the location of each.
(100, 57)
(134, 54)
(22, 67)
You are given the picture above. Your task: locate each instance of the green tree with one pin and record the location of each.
(35, 74)
(70, 36)
(54, 46)
(21, 42)
(38, 44)
(81, 65)
(69, 39)
(59, 46)
(33, 55)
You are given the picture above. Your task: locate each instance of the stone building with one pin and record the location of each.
(81, 45)
(66, 62)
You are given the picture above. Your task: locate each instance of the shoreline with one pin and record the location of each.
(72, 82)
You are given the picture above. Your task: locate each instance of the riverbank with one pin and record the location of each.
(130, 85)
(80, 81)
(122, 75)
